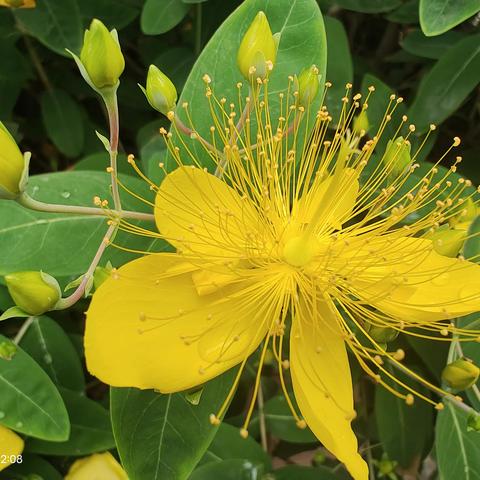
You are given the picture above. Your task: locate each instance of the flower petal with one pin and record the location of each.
(322, 382)
(12, 446)
(406, 278)
(197, 212)
(341, 190)
(148, 327)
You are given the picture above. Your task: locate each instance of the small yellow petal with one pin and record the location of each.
(99, 466)
(11, 445)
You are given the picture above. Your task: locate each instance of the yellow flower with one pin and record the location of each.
(11, 446)
(284, 243)
(18, 3)
(99, 466)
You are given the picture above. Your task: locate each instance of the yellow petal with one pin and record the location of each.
(149, 328)
(99, 466)
(322, 382)
(11, 445)
(197, 212)
(406, 278)
(341, 190)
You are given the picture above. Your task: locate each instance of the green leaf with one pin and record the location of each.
(338, 73)
(63, 121)
(458, 451)
(228, 444)
(281, 423)
(31, 465)
(176, 62)
(13, 312)
(471, 248)
(416, 43)
(56, 24)
(235, 469)
(160, 16)
(64, 244)
(369, 6)
(47, 343)
(302, 43)
(91, 430)
(112, 13)
(447, 84)
(30, 402)
(403, 430)
(405, 13)
(162, 437)
(438, 16)
(304, 473)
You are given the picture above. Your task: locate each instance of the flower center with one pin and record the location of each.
(298, 251)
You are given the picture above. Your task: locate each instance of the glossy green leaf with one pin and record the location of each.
(471, 248)
(176, 63)
(405, 13)
(302, 44)
(63, 121)
(445, 87)
(338, 72)
(47, 343)
(298, 472)
(416, 43)
(403, 430)
(281, 423)
(160, 16)
(162, 437)
(56, 24)
(90, 432)
(438, 16)
(228, 444)
(32, 467)
(369, 6)
(112, 13)
(64, 244)
(458, 451)
(235, 469)
(30, 402)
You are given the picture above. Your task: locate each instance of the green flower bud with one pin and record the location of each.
(382, 335)
(34, 292)
(101, 55)
(7, 350)
(473, 422)
(447, 242)
(361, 122)
(460, 374)
(258, 50)
(308, 85)
(13, 166)
(397, 157)
(160, 91)
(386, 466)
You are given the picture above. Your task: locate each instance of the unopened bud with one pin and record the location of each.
(160, 91)
(13, 166)
(258, 50)
(308, 85)
(460, 374)
(447, 242)
(397, 157)
(18, 4)
(7, 350)
(101, 56)
(473, 423)
(382, 335)
(34, 292)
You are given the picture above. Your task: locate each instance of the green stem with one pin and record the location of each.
(23, 330)
(28, 202)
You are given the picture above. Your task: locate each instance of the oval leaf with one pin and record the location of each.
(160, 16)
(30, 402)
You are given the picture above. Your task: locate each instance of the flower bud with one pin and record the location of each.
(34, 292)
(7, 350)
(12, 447)
(397, 157)
(308, 84)
(382, 334)
(13, 166)
(98, 465)
(160, 91)
(101, 55)
(473, 422)
(18, 3)
(460, 374)
(448, 241)
(258, 49)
